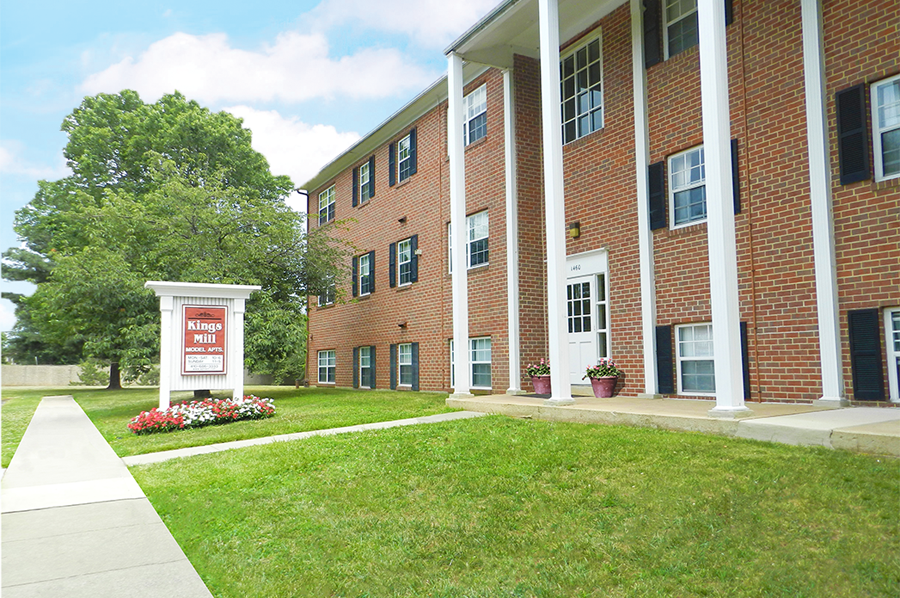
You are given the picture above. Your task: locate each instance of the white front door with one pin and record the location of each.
(580, 303)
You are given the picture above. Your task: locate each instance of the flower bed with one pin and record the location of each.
(196, 414)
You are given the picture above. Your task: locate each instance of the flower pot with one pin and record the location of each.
(541, 384)
(604, 387)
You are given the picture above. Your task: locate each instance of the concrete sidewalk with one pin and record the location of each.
(75, 523)
(869, 430)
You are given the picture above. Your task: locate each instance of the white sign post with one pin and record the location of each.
(202, 336)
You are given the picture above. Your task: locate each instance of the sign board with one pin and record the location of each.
(204, 332)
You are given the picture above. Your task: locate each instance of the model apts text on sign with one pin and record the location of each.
(204, 339)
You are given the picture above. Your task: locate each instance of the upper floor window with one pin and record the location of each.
(403, 161)
(681, 26)
(328, 295)
(404, 261)
(364, 182)
(886, 128)
(687, 187)
(365, 274)
(326, 205)
(581, 75)
(475, 105)
(476, 240)
(402, 158)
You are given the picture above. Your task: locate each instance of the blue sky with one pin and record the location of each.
(308, 78)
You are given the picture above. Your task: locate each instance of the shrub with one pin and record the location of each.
(196, 414)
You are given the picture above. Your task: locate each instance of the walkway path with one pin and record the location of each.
(75, 523)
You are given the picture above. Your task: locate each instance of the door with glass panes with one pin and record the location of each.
(588, 323)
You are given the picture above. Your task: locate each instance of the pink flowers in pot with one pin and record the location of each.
(541, 369)
(605, 368)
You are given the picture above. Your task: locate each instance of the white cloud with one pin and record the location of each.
(292, 147)
(432, 23)
(296, 68)
(12, 163)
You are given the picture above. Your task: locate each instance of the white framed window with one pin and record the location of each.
(480, 363)
(404, 159)
(581, 79)
(326, 205)
(405, 364)
(477, 231)
(366, 374)
(365, 182)
(687, 187)
(694, 359)
(475, 106)
(327, 296)
(327, 366)
(886, 128)
(365, 275)
(681, 30)
(404, 262)
(892, 340)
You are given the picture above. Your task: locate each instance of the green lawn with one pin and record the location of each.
(503, 507)
(296, 410)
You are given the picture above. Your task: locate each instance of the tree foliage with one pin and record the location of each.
(164, 191)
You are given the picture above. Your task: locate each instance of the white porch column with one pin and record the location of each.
(820, 200)
(237, 357)
(554, 202)
(720, 215)
(512, 235)
(166, 306)
(460, 282)
(641, 162)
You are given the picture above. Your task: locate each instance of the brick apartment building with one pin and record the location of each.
(718, 212)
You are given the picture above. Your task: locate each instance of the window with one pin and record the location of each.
(476, 241)
(326, 205)
(886, 128)
(695, 364)
(480, 373)
(404, 261)
(687, 187)
(892, 340)
(581, 75)
(404, 158)
(475, 105)
(327, 365)
(328, 295)
(602, 317)
(405, 364)
(681, 26)
(365, 274)
(366, 374)
(364, 182)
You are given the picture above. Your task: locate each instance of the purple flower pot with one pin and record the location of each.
(604, 387)
(541, 384)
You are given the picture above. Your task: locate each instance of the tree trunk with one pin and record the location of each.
(115, 377)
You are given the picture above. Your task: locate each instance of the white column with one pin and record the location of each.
(554, 202)
(458, 225)
(820, 200)
(641, 162)
(720, 213)
(512, 235)
(166, 306)
(237, 352)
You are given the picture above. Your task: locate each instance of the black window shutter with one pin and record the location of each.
(354, 271)
(372, 367)
(665, 380)
(355, 187)
(414, 265)
(853, 134)
(392, 263)
(865, 354)
(745, 360)
(355, 367)
(371, 177)
(729, 12)
(415, 366)
(652, 31)
(412, 152)
(392, 164)
(735, 176)
(393, 367)
(372, 271)
(656, 179)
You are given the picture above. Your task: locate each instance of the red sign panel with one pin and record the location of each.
(204, 340)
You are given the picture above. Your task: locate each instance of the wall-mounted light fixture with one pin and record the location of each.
(402, 220)
(575, 230)
(402, 325)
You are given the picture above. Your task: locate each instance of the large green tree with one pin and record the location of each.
(163, 191)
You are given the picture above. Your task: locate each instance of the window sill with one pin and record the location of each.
(324, 306)
(685, 229)
(363, 204)
(476, 143)
(363, 297)
(403, 182)
(403, 287)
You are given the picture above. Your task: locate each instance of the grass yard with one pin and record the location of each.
(497, 506)
(296, 410)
